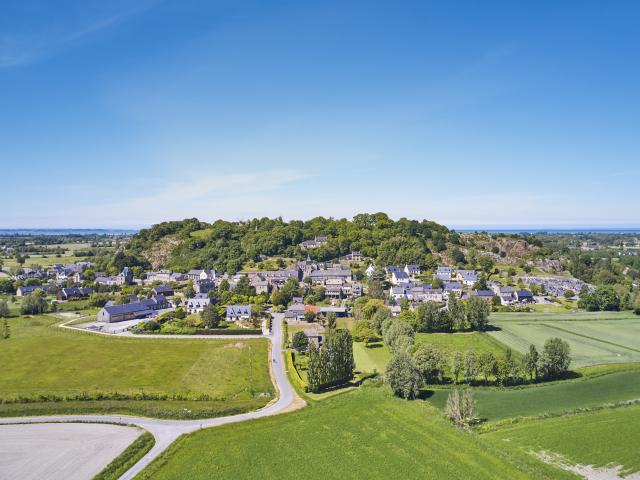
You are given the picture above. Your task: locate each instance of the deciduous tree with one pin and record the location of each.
(403, 376)
(477, 314)
(300, 341)
(430, 363)
(555, 358)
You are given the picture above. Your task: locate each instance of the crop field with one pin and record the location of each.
(604, 438)
(564, 316)
(557, 397)
(592, 342)
(366, 433)
(461, 342)
(41, 359)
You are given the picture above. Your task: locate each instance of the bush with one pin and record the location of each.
(461, 409)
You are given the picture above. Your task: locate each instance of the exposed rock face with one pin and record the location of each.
(159, 253)
(514, 249)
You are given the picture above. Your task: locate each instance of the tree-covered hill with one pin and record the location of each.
(226, 246)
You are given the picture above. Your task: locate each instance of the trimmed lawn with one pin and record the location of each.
(366, 433)
(372, 358)
(41, 359)
(556, 397)
(602, 438)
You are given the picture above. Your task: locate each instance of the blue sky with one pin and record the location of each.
(126, 113)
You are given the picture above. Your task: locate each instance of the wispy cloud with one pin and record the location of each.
(206, 196)
(26, 47)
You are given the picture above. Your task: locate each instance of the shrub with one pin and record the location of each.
(461, 409)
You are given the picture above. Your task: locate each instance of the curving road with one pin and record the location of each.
(167, 431)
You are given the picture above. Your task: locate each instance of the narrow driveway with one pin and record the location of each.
(167, 431)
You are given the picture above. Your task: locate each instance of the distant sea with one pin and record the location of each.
(65, 231)
(551, 230)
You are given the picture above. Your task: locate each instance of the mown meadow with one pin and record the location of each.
(366, 433)
(606, 385)
(604, 438)
(158, 377)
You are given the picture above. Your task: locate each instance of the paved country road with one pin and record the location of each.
(167, 431)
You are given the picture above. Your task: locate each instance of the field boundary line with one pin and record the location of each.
(592, 338)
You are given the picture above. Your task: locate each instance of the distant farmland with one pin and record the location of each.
(594, 341)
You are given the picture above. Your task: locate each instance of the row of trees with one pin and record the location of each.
(373, 318)
(332, 363)
(410, 369)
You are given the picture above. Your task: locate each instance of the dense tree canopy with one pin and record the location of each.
(226, 246)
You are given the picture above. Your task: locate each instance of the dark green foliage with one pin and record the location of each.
(7, 286)
(457, 313)
(244, 288)
(530, 363)
(98, 299)
(285, 294)
(300, 342)
(470, 366)
(487, 365)
(211, 316)
(603, 298)
(458, 257)
(403, 376)
(555, 358)
(363, 331)
(508, 369)
(34, 304)
(399, 336)
(477, 314)
(332, 363)
(430, 362)
(226, 246)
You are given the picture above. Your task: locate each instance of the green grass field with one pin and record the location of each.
(606, 437)
(372, 358)
(461, 342)
(376, 356)
(593, 339)
(366, 433)
(592, 390)
(40, 358)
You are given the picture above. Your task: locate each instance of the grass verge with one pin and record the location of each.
(128, 458)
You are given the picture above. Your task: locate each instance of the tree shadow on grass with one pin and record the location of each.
(425, 394)
(492, 328)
